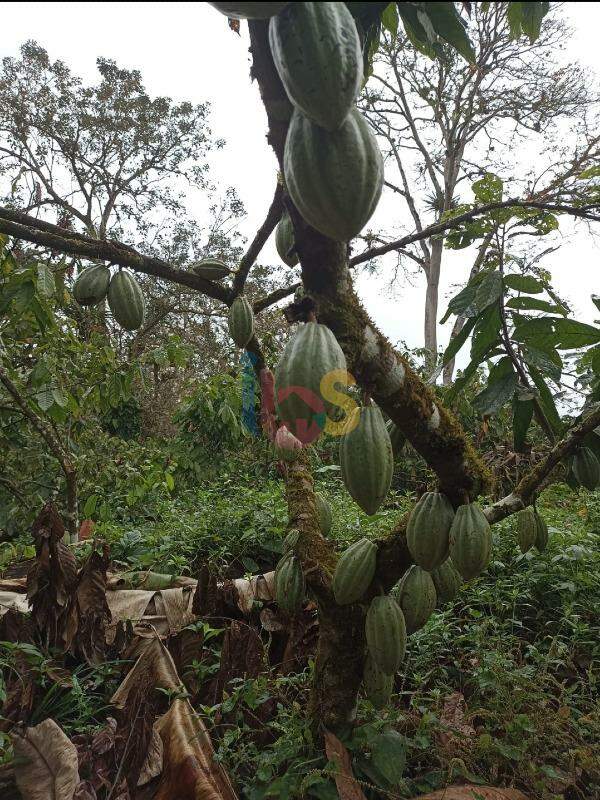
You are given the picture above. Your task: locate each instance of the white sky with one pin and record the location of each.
(186, 51)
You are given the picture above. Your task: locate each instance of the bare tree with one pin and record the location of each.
(441, 121)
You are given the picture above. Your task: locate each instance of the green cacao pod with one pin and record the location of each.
(428, 530)
(586, 468)
(526, 529)
(354, 572)
(470, 541)
(397, 438)
(284, 241)
(416, 596)
(366, 458)
(291, 540)
(447, 582)
(249, 10)
(378, 685)
(126, 300)
(212, 269)
(91, 285)
(541, 532)
(385, 631)
(335, 179)
(241, 321)
(311, 355)
(289, 583)
(317, 53)
(324, 514)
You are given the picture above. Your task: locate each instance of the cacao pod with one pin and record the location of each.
(470, 541)
(385, 631)
(287, 446)
(212, 269)
(354, 572)
(91, 285)
(317, 53)
(291, 540)
(416, 596)
(126, 300)
(586, 468)
(526, 529)
(284, 241)
(397, 438)
(447, 582)
(541, 532)
(312, 354)
(335, 179)
(428, 530)
(378, 685)
(241, 321)
(324, 514)
(249, 10)
(289, 583)
(366, 458)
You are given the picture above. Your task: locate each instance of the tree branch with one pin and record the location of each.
(263, 233)
(582, 212)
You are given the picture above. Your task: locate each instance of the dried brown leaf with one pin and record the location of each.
(474, 793)
(46, 766)
(347, 785)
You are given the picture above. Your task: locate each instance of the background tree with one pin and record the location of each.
(443, 123)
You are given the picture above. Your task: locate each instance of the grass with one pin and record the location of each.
(520, 644)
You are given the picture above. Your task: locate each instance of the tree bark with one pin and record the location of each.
(432, 298)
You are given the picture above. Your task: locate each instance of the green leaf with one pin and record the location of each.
(524, 283)
(486, 332)
(572, 334)
(463, 380)
(488, 189)
(416, 33)
(538, 332)
(546, 400)
(23, 297)
(533, 304)
(548, 361)
(45, 281)
(532, 16)
(170, 481)
(388, 751)
(90, 505)
(45, 398)
(457, 342)
(449, 26)
(59, 398)
(463, 303)
(596, 301)
(501, 384)
(522, 416)
(389, 19)
(489, 290)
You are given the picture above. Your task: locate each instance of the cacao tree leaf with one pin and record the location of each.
(449, 26)
(524, 283)
(572, 334)
(464, 378)
(457, 342)
(595, 297)
(46, 763)
(546, 400)
(463, 303)
(388, 751)
(522, 416)
(538, 332)
(389, 19)
(45, 398)
(486, 332)
(502, 382)
(547, 361)
(90, 505)
(489, 290)
(488, 189)
(45, 280)
(533, 304)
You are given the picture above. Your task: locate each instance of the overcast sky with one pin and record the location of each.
(186, 51)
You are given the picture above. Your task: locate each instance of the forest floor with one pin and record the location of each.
(499, 688)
